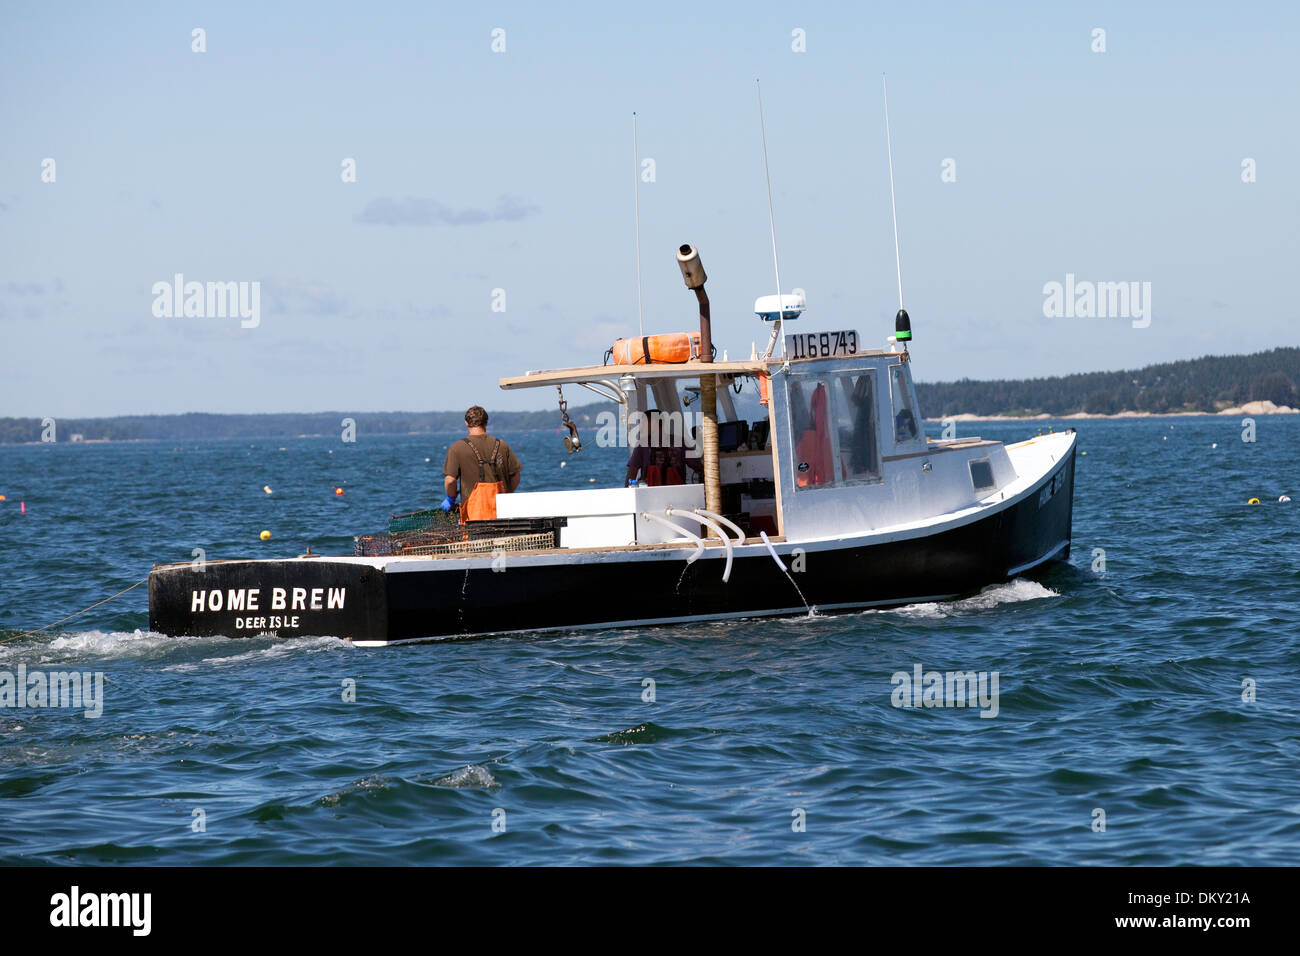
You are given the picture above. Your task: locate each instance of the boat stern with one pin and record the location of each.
(316, 597)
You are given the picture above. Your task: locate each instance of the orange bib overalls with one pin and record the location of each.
(481, 505)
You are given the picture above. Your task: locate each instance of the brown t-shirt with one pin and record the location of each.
(463, 464)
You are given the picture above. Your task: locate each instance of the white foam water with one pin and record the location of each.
(88, 645)
(102, 646)
(472, 777)
(1013, 592)
(374, 782)
(282, 647)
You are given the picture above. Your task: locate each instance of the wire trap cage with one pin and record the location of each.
(428, 519)
(437, 532)
(513, 544)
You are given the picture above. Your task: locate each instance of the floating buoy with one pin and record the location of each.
(22, 507)
(1083, 453)
(591, 480)
(267, 489)
(1253, 501)
(427, 460)
(338, 491)
(1284, 499)
(2, 497)
(265, 535)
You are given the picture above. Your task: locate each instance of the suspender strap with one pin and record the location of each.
(496, 470)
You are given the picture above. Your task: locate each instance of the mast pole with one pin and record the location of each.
(779, 325)
(902, 322)
(893, 206)
(636, 199)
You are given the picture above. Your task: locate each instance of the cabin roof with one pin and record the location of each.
(596, 373)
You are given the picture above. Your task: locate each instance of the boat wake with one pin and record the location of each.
(101, 647)
(281, 647)
(90, 645)
(1013, 592)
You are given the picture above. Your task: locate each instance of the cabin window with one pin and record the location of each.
(981, 475)
(834, 429)
(904, 417)
(810, 432)
(855, 426)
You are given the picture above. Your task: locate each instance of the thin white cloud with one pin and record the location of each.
(415, 211)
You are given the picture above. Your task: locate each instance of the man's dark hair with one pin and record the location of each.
(476, 417)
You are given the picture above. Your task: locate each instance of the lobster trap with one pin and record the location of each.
(512, 544)
(429, 519)
(434, 532)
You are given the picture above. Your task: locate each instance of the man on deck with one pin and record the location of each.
(485, 467)
(660, 458)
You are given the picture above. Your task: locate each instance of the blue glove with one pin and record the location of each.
(448, 503)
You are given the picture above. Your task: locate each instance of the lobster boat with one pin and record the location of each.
(831, 498)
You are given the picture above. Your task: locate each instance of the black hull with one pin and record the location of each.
(630, 588)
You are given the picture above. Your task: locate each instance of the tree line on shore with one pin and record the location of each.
(1207, 384)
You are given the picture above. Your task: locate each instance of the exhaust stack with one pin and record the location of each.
(688, 260)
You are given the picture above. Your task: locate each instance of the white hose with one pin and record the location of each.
(686, 534)
(726, 541)
(772, 551)
(740, 535)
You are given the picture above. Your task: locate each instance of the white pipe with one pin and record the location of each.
(686, 534)
(772, 551)
(740, 535)
(615, 394)
(726, 541)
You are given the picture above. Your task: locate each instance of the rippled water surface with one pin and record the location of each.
(1119, 691)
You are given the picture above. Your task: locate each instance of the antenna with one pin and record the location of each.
(898, 256)
(771, 218)
(636, 198)
(902, 324)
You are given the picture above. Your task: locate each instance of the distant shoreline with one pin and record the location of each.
(1249, 409)
(1245, 411)
(1265, 383)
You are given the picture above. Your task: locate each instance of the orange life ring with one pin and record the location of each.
(671, 349)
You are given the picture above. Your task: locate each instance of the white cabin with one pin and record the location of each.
(842, 451)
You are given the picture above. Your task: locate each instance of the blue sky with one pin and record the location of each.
(479, 171)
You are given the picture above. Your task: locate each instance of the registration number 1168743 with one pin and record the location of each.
(809, 345)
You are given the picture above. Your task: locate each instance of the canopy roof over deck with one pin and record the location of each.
(598, 373)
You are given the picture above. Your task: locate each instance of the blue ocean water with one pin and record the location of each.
(767, 741)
